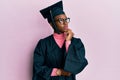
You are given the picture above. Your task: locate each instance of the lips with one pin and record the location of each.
(66, 27)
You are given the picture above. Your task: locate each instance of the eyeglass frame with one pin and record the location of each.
(66, 20)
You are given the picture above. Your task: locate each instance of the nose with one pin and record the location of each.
(65, 25)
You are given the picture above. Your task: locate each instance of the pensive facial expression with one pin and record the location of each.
(61, 22)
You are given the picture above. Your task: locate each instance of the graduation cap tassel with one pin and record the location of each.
(54, 26)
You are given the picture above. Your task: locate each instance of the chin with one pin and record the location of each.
(62, 31)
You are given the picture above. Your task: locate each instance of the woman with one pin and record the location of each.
(59, 56)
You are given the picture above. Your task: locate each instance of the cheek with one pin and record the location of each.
(60, 26)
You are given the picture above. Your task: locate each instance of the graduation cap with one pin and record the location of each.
(50, 12)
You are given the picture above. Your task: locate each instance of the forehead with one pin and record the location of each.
(60, 16)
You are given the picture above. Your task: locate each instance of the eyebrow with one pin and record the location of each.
(61, 18)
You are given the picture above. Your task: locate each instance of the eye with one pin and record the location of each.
(67, 20)
(61, 20)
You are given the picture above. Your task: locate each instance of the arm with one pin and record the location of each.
(75, 60)
(40, 70)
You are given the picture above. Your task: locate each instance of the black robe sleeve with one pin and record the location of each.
(40, 70)
(75, 60)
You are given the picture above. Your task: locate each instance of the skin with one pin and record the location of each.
(63, 28)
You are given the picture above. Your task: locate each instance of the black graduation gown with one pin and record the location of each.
(48, 55)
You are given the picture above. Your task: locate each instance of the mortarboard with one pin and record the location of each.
(51, 11)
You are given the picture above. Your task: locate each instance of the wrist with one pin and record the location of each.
(58, 72)
(68, 39)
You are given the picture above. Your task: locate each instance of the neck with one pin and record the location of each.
(59, 38)
(58, 32)
(61, 35)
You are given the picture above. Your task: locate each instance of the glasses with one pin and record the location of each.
(62, 21)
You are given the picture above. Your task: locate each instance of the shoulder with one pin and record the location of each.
(42, 44)
(46, 39)
(76, 40)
